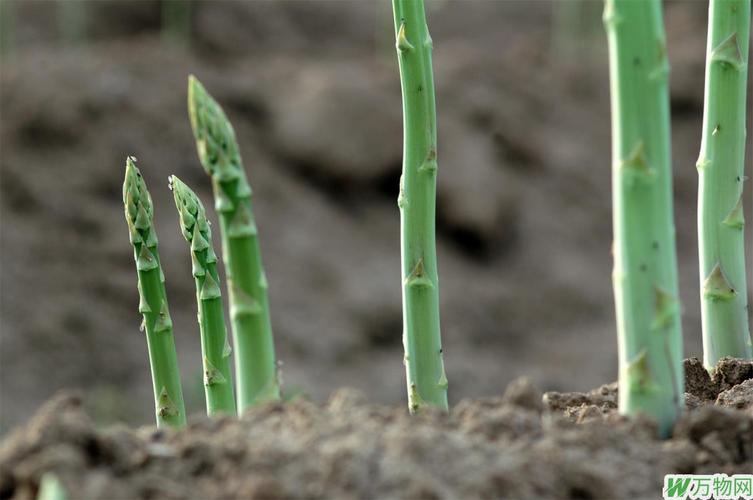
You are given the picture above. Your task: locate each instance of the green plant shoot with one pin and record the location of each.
(50, 488)
(645, 262)
(255, 366)
(424, 365)
(721, 172)
(215, 348)
(168, 394)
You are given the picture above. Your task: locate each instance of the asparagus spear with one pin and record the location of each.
(255, 367)
(721, 167)
(424, 366)
(645, 262)
(215, 349)
(50, 488)
(168, 394)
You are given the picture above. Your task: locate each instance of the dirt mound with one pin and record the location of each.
(572, 446)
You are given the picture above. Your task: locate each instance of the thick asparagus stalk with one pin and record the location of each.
(215, 349)
(724, 301)
(645, 262)
(424, 366)
(168, 395)
(255, 367)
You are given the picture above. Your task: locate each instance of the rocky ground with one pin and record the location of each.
(524, 220)
(520, 445)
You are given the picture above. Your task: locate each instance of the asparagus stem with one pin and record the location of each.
(215, 349)
(424, 366)
(50, 488)
(72, 20)
(176, 21)
(7, 29)
(255, 367)
(645, 262)
(168, 394)
(721, 167)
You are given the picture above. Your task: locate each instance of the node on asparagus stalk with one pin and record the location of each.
(721, 172)
(255, 366)
(645, 262)
(215, 349)
(424, 365)
(168, 394)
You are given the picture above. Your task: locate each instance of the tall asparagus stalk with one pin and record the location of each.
(255, 367)
(424, 366)
(724, 301)
(215, 349)
(645, 267)
(168, 394)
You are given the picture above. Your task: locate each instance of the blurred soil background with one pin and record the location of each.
(524, 217)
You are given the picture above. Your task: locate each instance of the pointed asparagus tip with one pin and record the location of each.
(195, 88)
(195, 92)
(130, 180)
(131, 166)
(215, 138)
(136, 199)
(188, 204)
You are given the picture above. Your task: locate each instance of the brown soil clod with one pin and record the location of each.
(698, 381)
(577, 444)
(730, 372)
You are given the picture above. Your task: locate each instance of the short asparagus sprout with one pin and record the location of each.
(645, 262)
(50, 488)
(168, 394)
(255, 366)
(424, 365)
(721, 172)
(215, 349)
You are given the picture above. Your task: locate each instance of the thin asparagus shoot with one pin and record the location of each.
(215, 349)
(645, 262)
(168, 394)
(50, 488)
(255, 366)
(424, 365)
(721, 172)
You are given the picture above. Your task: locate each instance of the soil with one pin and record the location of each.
(519, 445)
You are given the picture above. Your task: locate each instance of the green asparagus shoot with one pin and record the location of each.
(255, 366)
(424, 365)
(168, 394)
(50, 488)
(645, 262)
(215, 349)
(721, 172)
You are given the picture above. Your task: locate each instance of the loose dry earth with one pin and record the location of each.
(520, 445)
